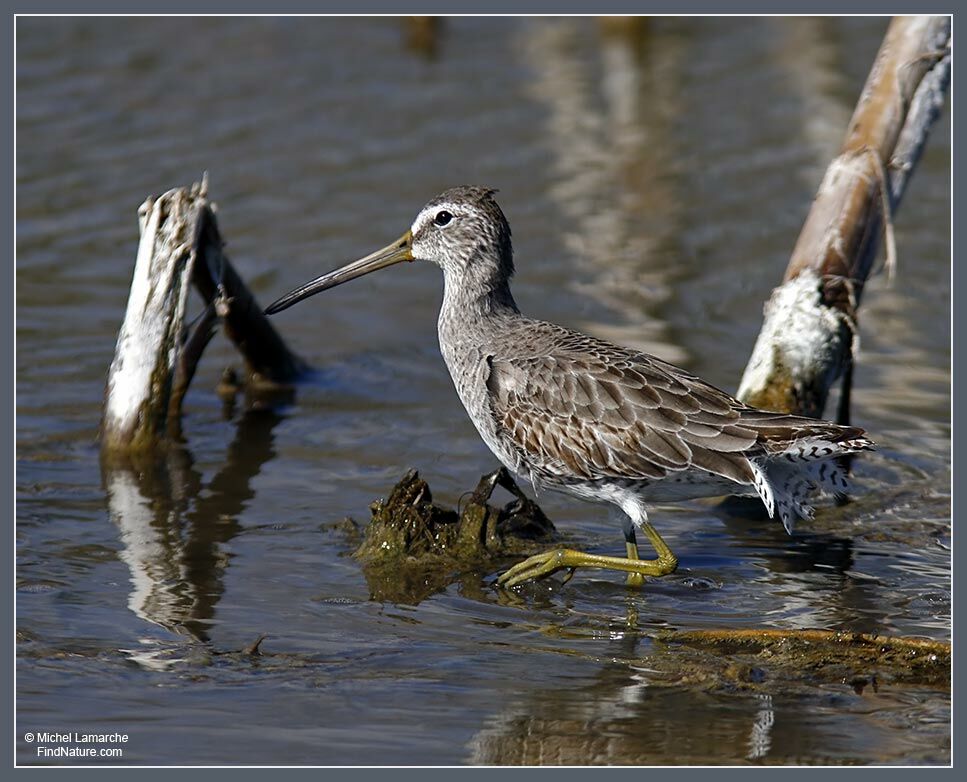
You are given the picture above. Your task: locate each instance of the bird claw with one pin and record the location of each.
(635, 580)
(499, 477)
(549, 562)
(537, 567)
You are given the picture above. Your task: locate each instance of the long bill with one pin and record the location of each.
(400, 250)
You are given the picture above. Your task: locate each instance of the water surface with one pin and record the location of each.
(655, 185)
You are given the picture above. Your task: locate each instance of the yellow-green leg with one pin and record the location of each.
(631, 546)
(543, 565)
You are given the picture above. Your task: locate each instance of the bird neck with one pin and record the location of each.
(475, 304)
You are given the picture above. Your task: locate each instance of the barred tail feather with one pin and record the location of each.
(784, 486)
(809, 449)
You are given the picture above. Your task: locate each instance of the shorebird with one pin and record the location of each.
(596, 420)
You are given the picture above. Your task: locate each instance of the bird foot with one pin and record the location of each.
(635, 580)
(549, 562)
(539, 566)
(499, 477)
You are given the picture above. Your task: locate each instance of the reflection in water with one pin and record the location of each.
(614, 166)
(760, 739)
(631, 713)
(653, 703)
(173, 528)
(820, 586)
(421, 35)
(808, 53)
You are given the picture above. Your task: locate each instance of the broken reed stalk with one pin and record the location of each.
(156, 357)
(810, 331)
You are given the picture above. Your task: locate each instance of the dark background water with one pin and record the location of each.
(655, 183)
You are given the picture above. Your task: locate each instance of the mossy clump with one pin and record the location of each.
(413, 547)
(408, 524)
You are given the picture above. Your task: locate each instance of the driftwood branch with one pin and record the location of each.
(156, 354)
(810, 330)
(140, 381)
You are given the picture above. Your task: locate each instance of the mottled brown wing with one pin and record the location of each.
(603, 412)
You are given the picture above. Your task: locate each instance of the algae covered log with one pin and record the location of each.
(810, 327)
(827, 653)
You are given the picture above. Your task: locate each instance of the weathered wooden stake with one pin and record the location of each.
(156, 356)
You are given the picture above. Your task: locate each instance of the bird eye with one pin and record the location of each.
(443, 217)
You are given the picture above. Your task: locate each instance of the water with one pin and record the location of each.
(655, 191)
